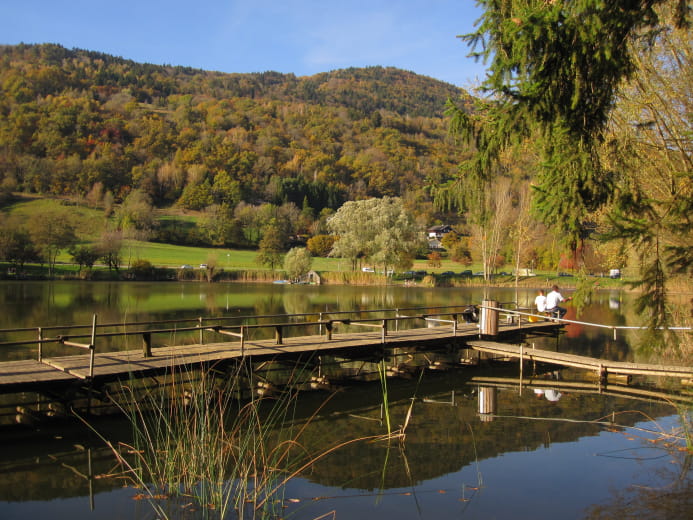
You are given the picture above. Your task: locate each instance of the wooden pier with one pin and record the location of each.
(18, 375)
(359, 333)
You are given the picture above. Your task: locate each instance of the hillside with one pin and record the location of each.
(85, 124)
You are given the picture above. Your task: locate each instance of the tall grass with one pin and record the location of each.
(195, 442)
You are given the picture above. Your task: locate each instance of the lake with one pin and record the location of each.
(477, 444)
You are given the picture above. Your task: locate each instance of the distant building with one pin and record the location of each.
(435, 235)
(438, 232)
(311, 277)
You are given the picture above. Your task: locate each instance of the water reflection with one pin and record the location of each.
(459, 419)
(480, 443)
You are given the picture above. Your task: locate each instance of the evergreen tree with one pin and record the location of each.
(555, 72)
(555, 68)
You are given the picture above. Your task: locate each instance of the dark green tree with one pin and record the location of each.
(84, 256)
(554, 73)
(16, 246)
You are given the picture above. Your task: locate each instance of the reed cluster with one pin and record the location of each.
(203, 441)
(195, 442)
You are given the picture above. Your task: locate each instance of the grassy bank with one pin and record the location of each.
(241, 265)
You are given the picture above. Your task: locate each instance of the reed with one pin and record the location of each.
(195, 442)
(382, 373)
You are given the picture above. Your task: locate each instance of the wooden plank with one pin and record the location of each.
(14, 372)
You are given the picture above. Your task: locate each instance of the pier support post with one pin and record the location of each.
(146, 344)
(40, 344)
(488, 403)
(603, 376)
(522, 364)
(489, 318)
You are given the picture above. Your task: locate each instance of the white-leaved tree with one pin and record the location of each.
(297, 263)
(379, 231)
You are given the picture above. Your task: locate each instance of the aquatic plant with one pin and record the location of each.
(195, 441)
(203, 440)
(385, 404)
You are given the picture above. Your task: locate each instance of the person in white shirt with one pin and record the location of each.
(552, 301)
(540, 301)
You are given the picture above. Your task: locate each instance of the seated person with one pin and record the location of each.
(540, 301)
(552, 301)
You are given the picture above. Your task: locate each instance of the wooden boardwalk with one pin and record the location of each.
(16, 375)
(602, 366)
(96, 366)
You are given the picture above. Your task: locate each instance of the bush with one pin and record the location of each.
(141, 270)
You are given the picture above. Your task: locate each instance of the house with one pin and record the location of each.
(438, 232)
(311, 277)
(435, 235)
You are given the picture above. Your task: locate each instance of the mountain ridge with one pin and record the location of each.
(85, 124)
(428, 101)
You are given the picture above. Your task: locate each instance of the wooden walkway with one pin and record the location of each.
(15, 375)
(603, 367)
(94, 366)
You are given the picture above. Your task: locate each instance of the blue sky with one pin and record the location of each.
(303, 37)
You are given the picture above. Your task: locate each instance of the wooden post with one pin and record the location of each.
(242, 340)
(384, 332)
(454, 324)
(202, 331)
(90, 478)
(146, 344)
(40, 344)
(92, 348)
(489, 318)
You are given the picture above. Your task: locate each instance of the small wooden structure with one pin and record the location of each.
(311, 277)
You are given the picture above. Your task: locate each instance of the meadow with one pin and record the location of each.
(89, 224)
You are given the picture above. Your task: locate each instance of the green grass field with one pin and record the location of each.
(90, 223)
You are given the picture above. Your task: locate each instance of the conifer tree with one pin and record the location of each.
(555, 67)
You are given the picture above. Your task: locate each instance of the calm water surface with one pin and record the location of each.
(539, 455)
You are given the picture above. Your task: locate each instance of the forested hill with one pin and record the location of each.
(76, 121)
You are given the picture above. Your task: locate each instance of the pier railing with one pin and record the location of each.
(243, 328)
(229, 326)
(516, 315)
